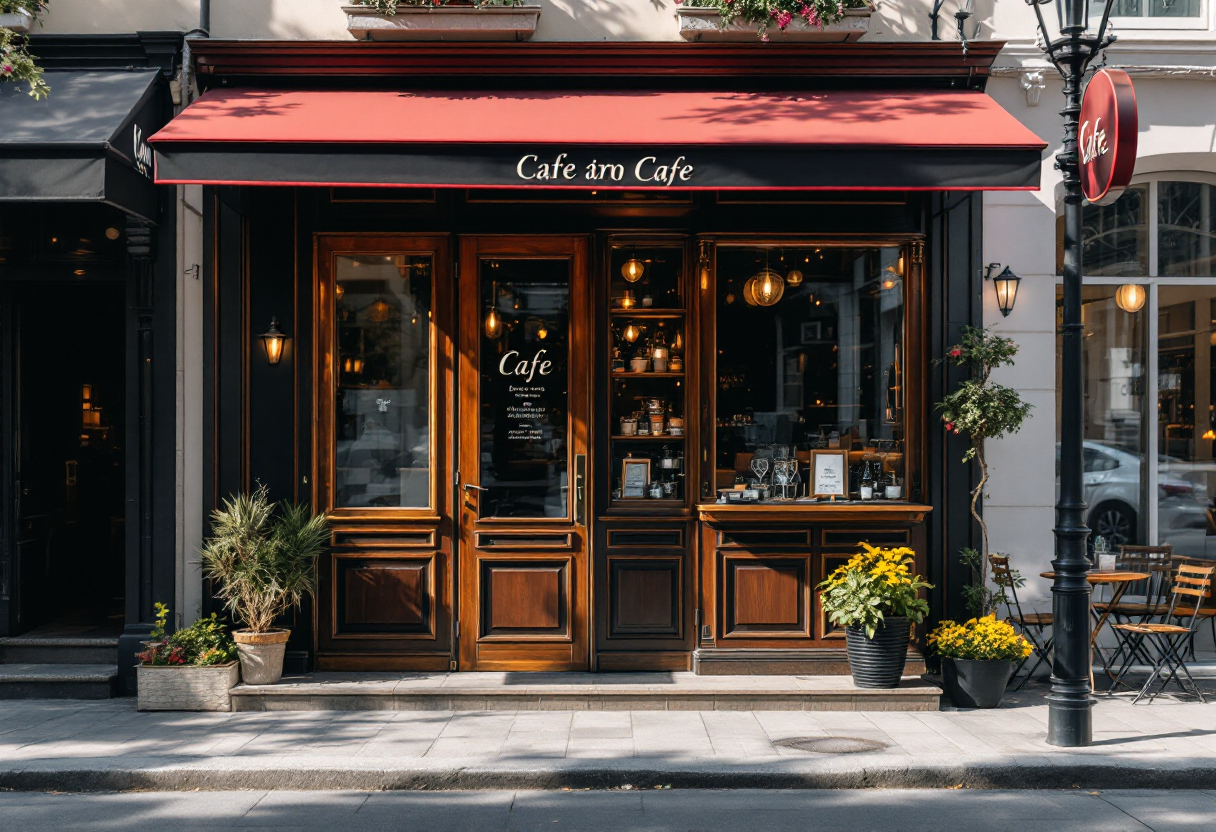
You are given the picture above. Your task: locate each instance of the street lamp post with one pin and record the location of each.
(1070, 704)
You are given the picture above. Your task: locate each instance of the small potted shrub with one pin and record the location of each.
(263, 557)
(452, 20)
(191, 670)
(805, 21)
(978, 658)
(876, 598)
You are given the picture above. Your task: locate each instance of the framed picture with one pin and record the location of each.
(830, 474)
(635, 475)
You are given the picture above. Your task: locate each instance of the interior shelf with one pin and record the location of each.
(646, 312)
(647, 438)
(625, 375)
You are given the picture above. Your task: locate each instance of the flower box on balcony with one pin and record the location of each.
(455, 23)
(705, 25)
(19, 21)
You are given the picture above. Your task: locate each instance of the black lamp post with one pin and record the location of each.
(1070, 704)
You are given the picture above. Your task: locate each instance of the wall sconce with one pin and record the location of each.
(703, 265)
(1130, 297)
(1006, 285)
(272, 340)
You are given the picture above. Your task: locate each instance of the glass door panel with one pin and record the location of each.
(524, 393)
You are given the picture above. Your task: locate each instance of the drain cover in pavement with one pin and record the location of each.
(832, 745)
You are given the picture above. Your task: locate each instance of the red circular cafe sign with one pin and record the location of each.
(1106, 140)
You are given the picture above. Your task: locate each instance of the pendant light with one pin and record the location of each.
(1130, 297)
(631, 333)
(633, 269)
(748, 297)
(493, 322)
(767, 287)
(794, 278)
(339, 291)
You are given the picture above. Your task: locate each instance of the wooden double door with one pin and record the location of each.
(453, 424)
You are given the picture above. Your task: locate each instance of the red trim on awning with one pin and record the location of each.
(823, 119)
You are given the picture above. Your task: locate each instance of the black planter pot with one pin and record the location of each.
(879, 662)
(976, 684)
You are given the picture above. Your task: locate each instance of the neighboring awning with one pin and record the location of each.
(913, 140)
(86, 142)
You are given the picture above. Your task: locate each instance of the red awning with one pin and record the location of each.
(699, 140)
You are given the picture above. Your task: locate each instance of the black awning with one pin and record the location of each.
(85, 143)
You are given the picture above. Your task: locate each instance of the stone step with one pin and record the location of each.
(64, 650)
(58, 681)
(578, 691)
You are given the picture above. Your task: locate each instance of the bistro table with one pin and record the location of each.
(1120, 581)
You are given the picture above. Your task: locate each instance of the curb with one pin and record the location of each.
(818, 775)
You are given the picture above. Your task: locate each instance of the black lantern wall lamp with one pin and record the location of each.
(1070, 703)
(273, 341)
(1006, 285)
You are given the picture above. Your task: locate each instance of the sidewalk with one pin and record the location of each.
(95, 746)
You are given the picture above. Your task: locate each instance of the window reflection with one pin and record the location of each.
(1185, 229)
(383, 318)
(1114, 237)
(822, 366)
(1186, 410)
(1113, 476)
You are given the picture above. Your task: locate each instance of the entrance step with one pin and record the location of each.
(58, 681)
(44, 650)
(578, 692)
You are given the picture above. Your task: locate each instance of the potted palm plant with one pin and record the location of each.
(876, 598)
(424, 20)
(978, 658)
(191, 670)
(263, 557)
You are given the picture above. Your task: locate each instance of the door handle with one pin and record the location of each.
(580, 488)
(468, 486)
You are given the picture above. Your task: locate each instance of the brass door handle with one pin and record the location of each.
(469, 486)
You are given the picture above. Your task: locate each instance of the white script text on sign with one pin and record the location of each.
(648, 170)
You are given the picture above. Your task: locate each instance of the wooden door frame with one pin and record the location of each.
(576, 249)
(422, 536)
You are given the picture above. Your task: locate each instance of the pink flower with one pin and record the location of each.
(8, 69)
(956, 352)
(783, 18)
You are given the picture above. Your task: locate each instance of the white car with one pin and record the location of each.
(1113, 493)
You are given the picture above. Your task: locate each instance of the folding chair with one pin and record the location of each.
(1194, 582)
(1207, 612)
(1032, 626)
(1142, 601)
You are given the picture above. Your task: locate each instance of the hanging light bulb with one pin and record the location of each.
(767, 287)
(631, 333)
(794, 278)
(1130, 297)
(493, 325)
(339, 291)
(543, 332)
(632, 270)
(379, 311)
(748, 297)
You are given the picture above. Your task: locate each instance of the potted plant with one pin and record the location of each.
(468, 20)
(17, 17)
(978, 658)
(263, 557)
(191, 670)
(876, 598)
(805, 21)
(982, 410)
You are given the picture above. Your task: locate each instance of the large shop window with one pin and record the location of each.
(1149, 310)
(383, 318)
(810, 356)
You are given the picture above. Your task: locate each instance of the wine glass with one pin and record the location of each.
(760, 467)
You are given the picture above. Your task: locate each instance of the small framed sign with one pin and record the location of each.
(830, 474)
(635, 475)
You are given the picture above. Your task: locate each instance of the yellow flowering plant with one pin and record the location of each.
(979, 639)
(874, 584)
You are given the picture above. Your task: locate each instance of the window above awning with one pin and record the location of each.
(85, 142)
(912, 140)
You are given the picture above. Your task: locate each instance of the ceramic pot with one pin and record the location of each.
(878, 662)
(261, 655)
(973, 683)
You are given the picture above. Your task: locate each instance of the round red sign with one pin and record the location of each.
(1106, 140)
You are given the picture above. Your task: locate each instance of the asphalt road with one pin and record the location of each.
(659, 810)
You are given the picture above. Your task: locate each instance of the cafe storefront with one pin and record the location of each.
(599, 356)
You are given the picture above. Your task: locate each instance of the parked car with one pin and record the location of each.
(1112, 491)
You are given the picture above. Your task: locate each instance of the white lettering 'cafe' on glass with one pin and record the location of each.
(524, 367)
(648, 169)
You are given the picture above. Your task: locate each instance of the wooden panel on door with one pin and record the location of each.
(767, 595)
(524, 369)
(645, 596)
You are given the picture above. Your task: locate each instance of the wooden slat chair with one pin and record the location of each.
(1144, 600)
(1033, 626)
(1206, 612)
(1190, 582)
